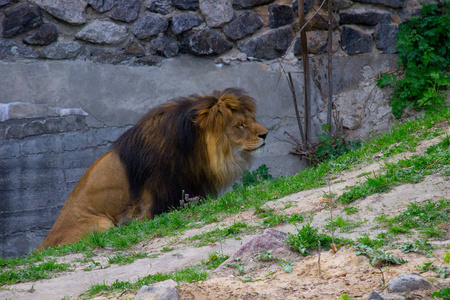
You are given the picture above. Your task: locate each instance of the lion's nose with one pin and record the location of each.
(263, 136)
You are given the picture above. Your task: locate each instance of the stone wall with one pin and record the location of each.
(75, 74)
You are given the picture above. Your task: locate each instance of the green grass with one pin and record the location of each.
(345, 225)
(233, 231)
(187, 275)
(123, 259)
(405, 137)
(32, 272)
(423, 218)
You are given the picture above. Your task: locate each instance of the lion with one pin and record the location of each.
(197, 144)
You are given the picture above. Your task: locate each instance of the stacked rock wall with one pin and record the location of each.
(75, 74)
(145, 32)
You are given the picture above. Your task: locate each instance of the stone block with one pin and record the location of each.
(41, 144)
(149, 25)
(388, 3)
(269, 45)
(21, 19)
(102, 32)
(104, 136)
(9, 149)
(9, 180)
(71, 11)
(10, 50)
(33, 128)
(45, 35)
(163, 7)
(217, 12)
(386, 37)
(126, 10)
(280, 15)
(62, 50)
(78, 159)
(186, 4)
(184, 22)
(102, 5)
(164, 45)
(105, 56)
(207, 42)
(355, 41)
(244, 25)
(240, 4)
(364, 17)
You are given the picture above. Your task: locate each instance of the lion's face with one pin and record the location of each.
(245, 133)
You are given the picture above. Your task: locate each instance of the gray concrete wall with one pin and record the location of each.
(57, 117)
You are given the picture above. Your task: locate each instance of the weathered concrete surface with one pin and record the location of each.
(79, 108)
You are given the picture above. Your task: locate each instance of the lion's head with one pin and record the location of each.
(198, 144)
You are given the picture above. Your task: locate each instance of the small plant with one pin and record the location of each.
(442, 272)
(443, 293)
(187, 201)
(345, 297)
(255, 177)
(121, 259)
(424, 54)
(307, 238)
(236, 264)
(372, 243)
(167, 249)
(378, 258)
(350, 210)
(417, 246)
(215, 259)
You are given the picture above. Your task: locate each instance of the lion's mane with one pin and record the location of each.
(181, 146)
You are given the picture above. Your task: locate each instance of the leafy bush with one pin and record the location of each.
(248, 179)
(424, 54)
(442, 293)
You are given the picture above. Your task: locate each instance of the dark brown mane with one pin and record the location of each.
(169, 145)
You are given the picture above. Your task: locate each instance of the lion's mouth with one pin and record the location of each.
(257, 148)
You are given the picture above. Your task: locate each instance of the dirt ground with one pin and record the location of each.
(340, 273)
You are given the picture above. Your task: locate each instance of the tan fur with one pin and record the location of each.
(225, 134)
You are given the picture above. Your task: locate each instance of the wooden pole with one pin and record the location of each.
(304, 43)
(330, 66)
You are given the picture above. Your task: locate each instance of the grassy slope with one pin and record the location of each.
(403, 138)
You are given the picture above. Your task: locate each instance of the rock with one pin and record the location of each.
(126, 11)
(207, 42)
(280, 15)
(217, 12)
(389, 3)
(184, 22)
(391, 296)
(149, 25)
(240, 4)
(408, 282)
(319, 21)
(270, 239)
(307, 4)
(62, 50)
(186, 4)
(355, 41)
(317, 42)
(21, 19)
(364, 17)
(134, 48)
(6, 2)
(374, 296)
(71, 11)
(105, 56)
(10, 50)
(386, 37)
(102, 32)
(245, 24)
(102, 5)
(160, 6)
(164, 45)
(169, 282)
(157, 293)
(148, 60)
(46, 34)
(269, 45)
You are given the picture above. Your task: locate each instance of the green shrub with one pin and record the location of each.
(424, 55)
